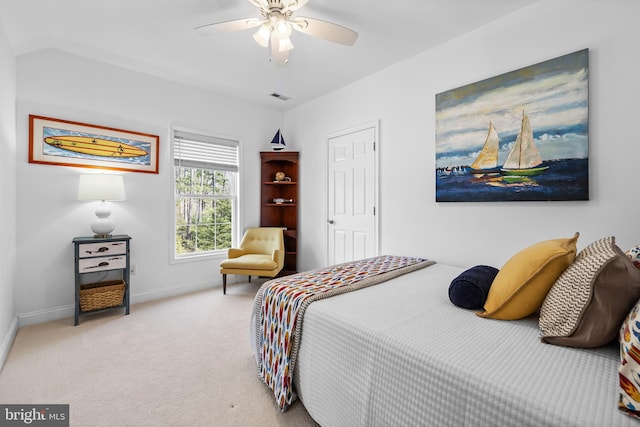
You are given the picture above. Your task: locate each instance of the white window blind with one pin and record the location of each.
(203, 151)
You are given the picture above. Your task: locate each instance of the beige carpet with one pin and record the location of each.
(181, 361)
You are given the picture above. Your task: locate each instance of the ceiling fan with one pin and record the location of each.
(276, 25)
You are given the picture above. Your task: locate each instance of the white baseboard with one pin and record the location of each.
(171, 291)
(46, 315)
(57, 313)
(7, 342)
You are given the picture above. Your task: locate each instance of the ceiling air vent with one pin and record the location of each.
(280, 96)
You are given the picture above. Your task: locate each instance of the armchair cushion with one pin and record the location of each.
(250, 262)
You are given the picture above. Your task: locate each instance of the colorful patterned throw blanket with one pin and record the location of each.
(280, 305)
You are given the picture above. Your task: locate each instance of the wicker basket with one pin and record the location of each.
(94, 296)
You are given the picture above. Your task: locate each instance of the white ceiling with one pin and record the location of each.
(156, 37)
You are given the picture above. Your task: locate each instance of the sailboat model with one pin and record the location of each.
(487, 160)
(277, 143)
(524, 158)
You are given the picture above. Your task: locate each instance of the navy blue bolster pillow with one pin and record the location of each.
(471, 287)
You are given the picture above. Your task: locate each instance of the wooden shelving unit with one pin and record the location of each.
(279, 200)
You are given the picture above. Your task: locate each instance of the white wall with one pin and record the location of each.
(7, 195)
(55, 84)
(402, 97)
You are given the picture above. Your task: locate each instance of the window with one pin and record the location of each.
(205, 193)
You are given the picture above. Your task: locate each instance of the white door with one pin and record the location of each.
(352, 195)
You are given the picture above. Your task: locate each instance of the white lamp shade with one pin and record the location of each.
(262, 35)
(101, 187)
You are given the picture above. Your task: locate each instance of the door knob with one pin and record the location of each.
(330, 221)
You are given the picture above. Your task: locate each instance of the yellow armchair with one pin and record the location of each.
(261, 253)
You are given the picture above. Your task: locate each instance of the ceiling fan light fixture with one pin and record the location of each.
(285, 45)
(262, 35)
(283, 28)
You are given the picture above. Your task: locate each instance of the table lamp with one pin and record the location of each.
(105, 188)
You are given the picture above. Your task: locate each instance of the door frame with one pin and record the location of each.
(376, 182)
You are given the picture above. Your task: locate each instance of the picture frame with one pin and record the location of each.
(69, 143)
(519, 136)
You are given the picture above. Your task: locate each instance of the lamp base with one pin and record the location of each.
(102, 236)
(102, 226)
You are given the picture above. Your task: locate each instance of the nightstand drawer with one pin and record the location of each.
(89, 265)
(101, 248)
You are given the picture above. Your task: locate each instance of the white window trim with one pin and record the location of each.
(236, 227)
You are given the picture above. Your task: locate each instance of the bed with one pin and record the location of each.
(400, 353)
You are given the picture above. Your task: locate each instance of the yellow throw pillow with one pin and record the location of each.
(523, 282)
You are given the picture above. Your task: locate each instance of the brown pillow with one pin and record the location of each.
(590, 299)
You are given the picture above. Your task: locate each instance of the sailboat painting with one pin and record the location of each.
(519, 136)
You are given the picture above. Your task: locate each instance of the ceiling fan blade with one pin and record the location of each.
(278, 57)
(324, 30)
(235, 25)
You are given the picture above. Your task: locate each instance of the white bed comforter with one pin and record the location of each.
(400, 354)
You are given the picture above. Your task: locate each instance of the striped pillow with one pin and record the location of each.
(588, 302)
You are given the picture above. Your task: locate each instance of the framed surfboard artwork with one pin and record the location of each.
(67, 143)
